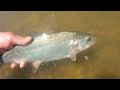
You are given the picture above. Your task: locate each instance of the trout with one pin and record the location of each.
(50, 47)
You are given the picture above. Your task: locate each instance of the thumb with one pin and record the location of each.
(19, 40)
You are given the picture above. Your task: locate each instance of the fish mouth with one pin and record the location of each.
(88, 46)
(93, 42)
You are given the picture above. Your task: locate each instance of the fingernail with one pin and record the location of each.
(13, 65)
(28, 38)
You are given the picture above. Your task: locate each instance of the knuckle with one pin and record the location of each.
(10, 34)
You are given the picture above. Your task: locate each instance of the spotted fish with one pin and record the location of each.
(50, 47)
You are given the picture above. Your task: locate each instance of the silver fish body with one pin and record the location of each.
(50, 47)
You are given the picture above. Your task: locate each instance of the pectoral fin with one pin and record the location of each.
(72, 53)
(73, 56)
(35, 66)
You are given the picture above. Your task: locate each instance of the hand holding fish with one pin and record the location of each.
(44, 47)
(9, 39)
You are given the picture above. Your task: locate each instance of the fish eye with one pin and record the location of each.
(88, 39)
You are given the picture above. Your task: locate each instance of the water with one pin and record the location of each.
(103, 58)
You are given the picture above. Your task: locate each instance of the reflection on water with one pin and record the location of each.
(104, 59)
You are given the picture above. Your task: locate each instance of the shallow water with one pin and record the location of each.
(103, 58)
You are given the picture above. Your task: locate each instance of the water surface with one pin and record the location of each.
(104, 56)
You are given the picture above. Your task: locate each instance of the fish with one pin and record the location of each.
(50, 47)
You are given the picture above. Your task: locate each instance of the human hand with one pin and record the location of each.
(9, 39)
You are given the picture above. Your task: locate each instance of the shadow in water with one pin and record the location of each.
(24, 73)
(48, 68)
(1, 60)
(51, 67)
(90, 53)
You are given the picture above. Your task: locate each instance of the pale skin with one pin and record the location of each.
(8, 40)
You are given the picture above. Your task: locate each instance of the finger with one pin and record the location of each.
(19, 40)
(13, 65)
(22, 64)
